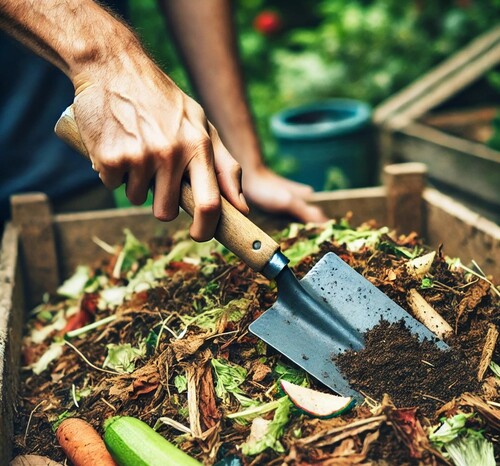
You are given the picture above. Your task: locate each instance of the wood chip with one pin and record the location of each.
(471, 299)
(488, 349)
(426, 314)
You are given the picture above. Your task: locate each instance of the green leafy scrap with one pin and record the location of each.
(133, 250)
(180, 382)
(471, 449)
(354, 239)
(148, 275)
(122, 358)
(426, 283)
(271, 435)
(109, 298)
(495, 369)
(234, 310)
(450, 429)
(399, 251)
(246, 415)
(463, 445)
(74, 286)
(292, 375)
(229, 378)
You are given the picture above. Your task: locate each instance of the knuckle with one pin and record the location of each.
(197, 111)
(167, 151)
(112, 161)
(209, 207)
(201, 146)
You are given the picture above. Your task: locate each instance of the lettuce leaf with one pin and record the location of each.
(74, 286)
(266, 434)
(122, 358)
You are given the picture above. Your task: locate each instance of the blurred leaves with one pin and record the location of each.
(363, 49)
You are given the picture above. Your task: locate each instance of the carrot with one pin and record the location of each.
(82, 444)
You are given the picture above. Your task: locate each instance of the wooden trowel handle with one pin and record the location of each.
(235, 231)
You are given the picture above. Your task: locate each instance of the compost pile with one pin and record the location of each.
(159, 331)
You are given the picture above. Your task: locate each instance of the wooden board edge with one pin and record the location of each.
(11, 321)
(440, 138)
(461, 61)
(468, 234)
(468, 217)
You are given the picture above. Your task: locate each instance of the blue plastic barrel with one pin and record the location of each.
(328, 143)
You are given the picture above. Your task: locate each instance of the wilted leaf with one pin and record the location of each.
(122, 358)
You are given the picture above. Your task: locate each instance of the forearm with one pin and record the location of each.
(205, 35)
(75, 35)
(135, 123)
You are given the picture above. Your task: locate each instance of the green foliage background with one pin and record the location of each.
(362, 49)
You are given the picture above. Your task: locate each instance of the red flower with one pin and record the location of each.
(267, 23)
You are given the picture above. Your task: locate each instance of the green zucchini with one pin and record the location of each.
(132, 442)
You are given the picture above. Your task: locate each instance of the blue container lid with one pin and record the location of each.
(325, 119)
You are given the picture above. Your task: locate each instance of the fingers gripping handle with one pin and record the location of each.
(235, 231)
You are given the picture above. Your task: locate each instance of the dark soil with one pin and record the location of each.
(411, 372)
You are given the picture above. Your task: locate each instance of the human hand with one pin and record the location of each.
(138, 125)
(273, 193)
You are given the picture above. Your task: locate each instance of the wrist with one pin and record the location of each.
(111, 48)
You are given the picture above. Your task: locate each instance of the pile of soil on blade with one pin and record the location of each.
(412, 372)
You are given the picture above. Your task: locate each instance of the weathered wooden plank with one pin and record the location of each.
(364, 204)
(32, 214)
(468, 166)
(74, 232)
(437, 85)
(405, 183)
(454, 83)
(11, 320)
(463, 233)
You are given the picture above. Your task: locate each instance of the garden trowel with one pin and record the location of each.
(314, 319)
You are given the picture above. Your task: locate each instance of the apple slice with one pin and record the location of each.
(314, 403)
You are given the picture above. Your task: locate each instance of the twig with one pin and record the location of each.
(221, 334)
(73, 395)
(431, 397)
(109, 404)
(172, 423)
(478, 268)
(335, 430)
(163, 326)
(427, 362)
(493, 403)
(29, 420)
(438, 284)
(77, 351)
(451, 385)
(482, 277)
(80, 331)
(102, 244)
(372, 403)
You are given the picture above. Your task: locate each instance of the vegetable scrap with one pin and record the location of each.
(157, 337)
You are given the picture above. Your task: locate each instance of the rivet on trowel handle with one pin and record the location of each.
(256, 245)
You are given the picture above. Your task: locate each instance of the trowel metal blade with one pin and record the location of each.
(344, 291)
